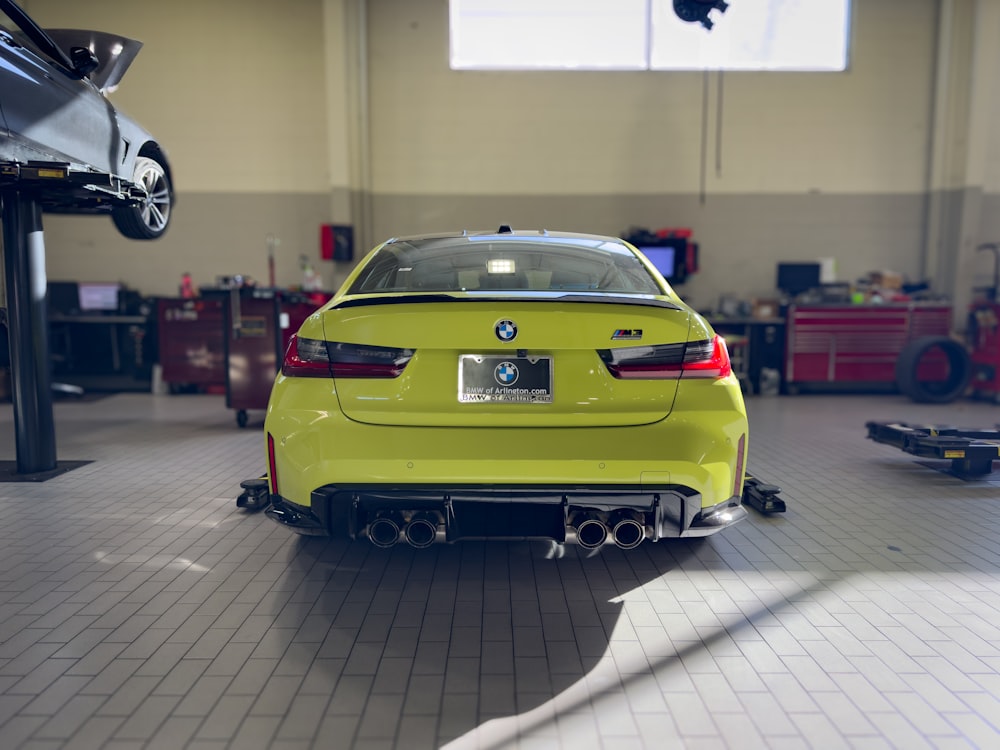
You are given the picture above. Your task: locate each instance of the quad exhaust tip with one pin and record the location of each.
(628, 533)
(591, 533)
(383, 532)
(626, 529)
(419, 532)
(593, 529)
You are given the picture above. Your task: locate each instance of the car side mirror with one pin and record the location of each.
(84, 61)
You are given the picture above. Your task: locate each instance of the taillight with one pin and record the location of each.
(694, 359)
(306, 358)
(311, 358)
(707, 359)
(361, 361)
(663, 361)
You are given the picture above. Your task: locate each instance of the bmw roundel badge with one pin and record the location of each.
(505, 373)
(506, 330)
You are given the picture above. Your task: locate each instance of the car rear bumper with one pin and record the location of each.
(591, 516)
(698, 450)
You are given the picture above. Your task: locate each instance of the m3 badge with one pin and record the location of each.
(627, 334)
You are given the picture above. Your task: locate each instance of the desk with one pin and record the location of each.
(111, 322)
(765, 345)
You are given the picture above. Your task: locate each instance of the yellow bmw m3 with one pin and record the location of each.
(506, 385)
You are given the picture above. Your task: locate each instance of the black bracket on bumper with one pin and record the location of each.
(298, 519)
(761, 496)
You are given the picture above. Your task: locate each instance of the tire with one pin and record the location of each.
(933, 392)
(149, 219)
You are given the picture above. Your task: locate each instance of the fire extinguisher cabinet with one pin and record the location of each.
(258, 325)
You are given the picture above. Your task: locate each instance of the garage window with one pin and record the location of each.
(799, 35)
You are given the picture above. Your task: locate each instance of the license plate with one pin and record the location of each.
(509, 380)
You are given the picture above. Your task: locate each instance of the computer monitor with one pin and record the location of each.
(796, 278)
(98, 296)
(668, 259)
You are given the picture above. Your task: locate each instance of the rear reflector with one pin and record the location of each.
(694, 359)
(740, 448)
(272, 470)
(311, 358)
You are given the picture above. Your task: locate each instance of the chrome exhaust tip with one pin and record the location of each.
(421, 532)
(383, 532)
(628, 533)
(591, 533)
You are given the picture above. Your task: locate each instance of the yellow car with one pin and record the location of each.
(506, 385)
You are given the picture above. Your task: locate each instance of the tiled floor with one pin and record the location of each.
(139, 608)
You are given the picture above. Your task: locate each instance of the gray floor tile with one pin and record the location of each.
(867, 616)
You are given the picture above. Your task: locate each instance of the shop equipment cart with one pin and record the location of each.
(258, 324)
(191, 344)
(983, 333)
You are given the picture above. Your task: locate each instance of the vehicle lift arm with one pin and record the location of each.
(971, 451)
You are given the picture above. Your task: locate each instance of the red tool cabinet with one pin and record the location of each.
(855, 344)
(190, 342)
(258, 325)
(984, 336)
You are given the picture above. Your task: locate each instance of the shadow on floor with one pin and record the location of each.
(445, 644)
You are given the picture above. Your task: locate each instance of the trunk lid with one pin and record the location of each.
(548, 375)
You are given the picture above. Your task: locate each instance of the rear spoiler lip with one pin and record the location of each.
(598, 298)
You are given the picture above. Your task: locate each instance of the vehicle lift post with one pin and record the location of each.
(27, 324)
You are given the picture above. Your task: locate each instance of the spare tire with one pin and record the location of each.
(920, 366)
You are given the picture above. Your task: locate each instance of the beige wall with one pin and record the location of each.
(438, 131)
(261, 106)
(235, 90)
(802, 165)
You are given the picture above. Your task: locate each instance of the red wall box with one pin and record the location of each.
(336, 242)
(856, 344)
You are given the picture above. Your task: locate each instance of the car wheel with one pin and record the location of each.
(148, 220)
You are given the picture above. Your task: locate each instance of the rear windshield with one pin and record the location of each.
(490, 264)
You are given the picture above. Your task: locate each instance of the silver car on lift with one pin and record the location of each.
(63, 138)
